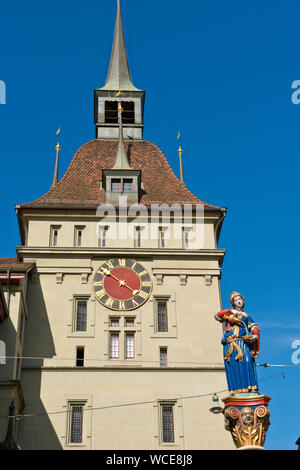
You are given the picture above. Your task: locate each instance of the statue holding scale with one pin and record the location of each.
(246, 411)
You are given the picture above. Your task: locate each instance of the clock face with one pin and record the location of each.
(122, 284)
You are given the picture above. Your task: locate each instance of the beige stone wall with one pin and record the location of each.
(124, 427)
(39, 229)
(187, 279)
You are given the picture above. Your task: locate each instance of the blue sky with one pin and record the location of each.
(221, 72)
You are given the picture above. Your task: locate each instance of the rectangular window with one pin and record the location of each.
(162, 315)
(130, 349)
(138, 237)
(162, 239)
(114, 321)
(167, 415)
(111, 112)
(114, 346)
(81, 315)
(80, 356)
(128, 112)
(102, 236)
(78, 233)
(76, 424)
(129, 322)
(163, 357)
(128, 185)
(116, 185)
(186, 238)
(54, 235)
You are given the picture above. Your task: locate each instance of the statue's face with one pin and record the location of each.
(248, 416)
(238, 301)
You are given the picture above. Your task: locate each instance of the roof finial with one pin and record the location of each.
(55, 177)
(180, 158)
(118, 77)
(121, 161)
(180, 164)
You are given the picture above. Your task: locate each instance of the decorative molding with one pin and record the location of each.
(183, 279)
(59, 278)
(208, 280)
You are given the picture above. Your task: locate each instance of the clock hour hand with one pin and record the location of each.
(121, 282)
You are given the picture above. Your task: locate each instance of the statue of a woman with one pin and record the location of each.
(241, 347)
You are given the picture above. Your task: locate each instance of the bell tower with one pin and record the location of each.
(119, 91)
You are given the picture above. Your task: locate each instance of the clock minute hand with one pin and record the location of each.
(122, 283)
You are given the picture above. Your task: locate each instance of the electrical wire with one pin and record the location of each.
(32, 415)
(41, 358)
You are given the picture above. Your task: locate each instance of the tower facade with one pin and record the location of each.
(120, 342)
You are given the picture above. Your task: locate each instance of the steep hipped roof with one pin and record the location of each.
(118, 77)
(81, 184)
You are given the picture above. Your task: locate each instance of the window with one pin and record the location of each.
(186, 238)
(114, 321)
(162, 315)
(102, 236)
(80, 356)
(114, 346)
(111, 112)
(116, 185)
(127, 185)
(129, 322)
(76, 423)
(138, 237)
(162, 231)
(163, 357)
(78, 232)
(167, 417)
(130, 349)
(54, 229)
(128, 112)
(81, 315)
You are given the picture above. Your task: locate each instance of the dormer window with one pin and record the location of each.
(128, 112)
(116, 186)
(128, 185)
(111, 112)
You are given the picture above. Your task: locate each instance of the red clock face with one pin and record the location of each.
(122, 284)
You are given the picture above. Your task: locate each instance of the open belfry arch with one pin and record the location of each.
(113, 319)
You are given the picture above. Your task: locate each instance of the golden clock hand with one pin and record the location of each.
(122, 283)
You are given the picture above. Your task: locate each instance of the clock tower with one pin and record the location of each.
(120, 339)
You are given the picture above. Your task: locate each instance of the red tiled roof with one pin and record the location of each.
(80, 186)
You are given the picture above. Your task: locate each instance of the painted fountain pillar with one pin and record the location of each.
(246, 412)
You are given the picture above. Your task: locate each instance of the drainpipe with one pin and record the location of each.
(8, 289)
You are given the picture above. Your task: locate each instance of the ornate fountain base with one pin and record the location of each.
(247, 417)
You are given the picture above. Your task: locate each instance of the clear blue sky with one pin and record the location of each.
(221, 72)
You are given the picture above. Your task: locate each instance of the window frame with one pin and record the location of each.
(54, 229)
(171, 404)
(71, 405)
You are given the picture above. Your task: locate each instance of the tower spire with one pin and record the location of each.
(121, 161)
(118, 77)
(55, 176)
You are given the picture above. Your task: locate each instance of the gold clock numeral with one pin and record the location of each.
(146, 284)
(122, 305)
(143, 273)
(100, 293)
(99, 283)
(122, 262)
(110, 265)
(134, 265)
(143, 294)
(109, 302)
(135, 303)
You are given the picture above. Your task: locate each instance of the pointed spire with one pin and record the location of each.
(118, 77)
(181, 166)
(121, 161)
(55, 177)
